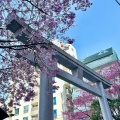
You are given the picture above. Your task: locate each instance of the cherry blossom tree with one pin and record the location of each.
(112, 73)
(49, 19)
(81, 107)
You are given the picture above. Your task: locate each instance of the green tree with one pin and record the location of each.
(114, 107)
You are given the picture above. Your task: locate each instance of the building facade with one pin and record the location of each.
(104, 57)
(29, 110)
(96, 62)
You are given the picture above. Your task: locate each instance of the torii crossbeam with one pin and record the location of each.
(79, 70)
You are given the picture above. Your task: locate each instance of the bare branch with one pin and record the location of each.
(24, 46)
(36, 6)
(2, 41)
(117, 2)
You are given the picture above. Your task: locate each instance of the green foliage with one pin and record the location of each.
(114, 106)
(95, 107)
(10, 115)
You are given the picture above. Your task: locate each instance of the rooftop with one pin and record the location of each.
(99, 55)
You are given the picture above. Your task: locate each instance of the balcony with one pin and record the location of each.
(34, 117)
(34, 109)
(70, 108)
(35, 99)
(68, 93)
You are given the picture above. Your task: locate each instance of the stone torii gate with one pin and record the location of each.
(79, 70)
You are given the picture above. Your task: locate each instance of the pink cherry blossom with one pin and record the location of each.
(110, 72)
(47, 18)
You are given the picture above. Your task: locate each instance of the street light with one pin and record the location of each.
(118, 2)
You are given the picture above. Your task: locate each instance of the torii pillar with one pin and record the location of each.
(45, 99)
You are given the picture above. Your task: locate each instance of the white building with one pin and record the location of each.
(29, 110)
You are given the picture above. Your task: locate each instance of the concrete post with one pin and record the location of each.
(45, 100)
(104, 103)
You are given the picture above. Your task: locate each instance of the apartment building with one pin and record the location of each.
(29, 110)
(64, 92)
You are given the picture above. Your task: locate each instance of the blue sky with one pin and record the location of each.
(97, 29)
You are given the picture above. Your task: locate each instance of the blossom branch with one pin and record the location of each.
(29, 1)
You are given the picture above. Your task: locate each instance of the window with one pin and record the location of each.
(53, 78)
(25, 118)
(17, 111)
(25, 101)
(26, 109)
(54, 100)
(55, 113)
(53, 90)
(18, 101)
